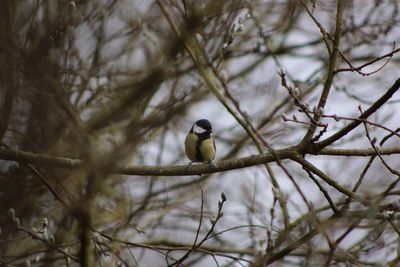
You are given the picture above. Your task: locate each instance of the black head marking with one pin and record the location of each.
(205, 124)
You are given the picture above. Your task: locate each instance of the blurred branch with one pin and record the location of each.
(8, 62)
(331, 70)
(372, 141)
(382, 100)
(307, 165)
(224, 165)
(210, 77)
(359, 68)
(214, 222)
(67, 163)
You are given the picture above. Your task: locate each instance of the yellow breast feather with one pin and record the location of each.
(190, 146)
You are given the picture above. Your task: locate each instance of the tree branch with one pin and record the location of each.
(182, 170)
(382, 100)
(224, 165)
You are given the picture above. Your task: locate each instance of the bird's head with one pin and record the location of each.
(202, 126)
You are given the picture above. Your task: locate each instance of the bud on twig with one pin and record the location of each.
(223, 197)
(296, 91)
(335, 117)
(45, 222)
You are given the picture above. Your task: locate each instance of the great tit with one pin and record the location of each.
(200, 144)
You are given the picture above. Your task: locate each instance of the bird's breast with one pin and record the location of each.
(207, 149)
(190, 146)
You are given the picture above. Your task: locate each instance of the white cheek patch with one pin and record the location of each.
(198, 129)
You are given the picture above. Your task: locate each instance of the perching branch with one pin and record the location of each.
(182, 170)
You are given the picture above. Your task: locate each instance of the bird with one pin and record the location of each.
(200, 144)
